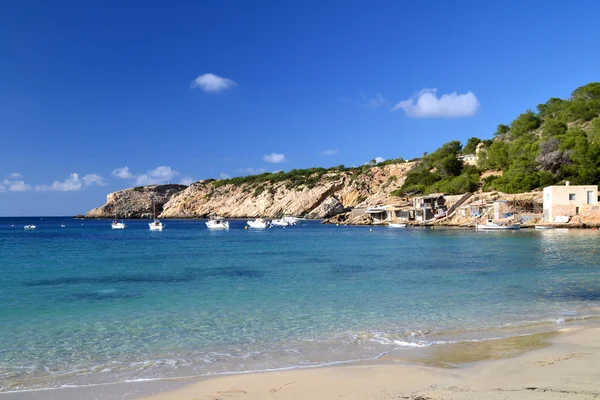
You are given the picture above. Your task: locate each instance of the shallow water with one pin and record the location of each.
(87, 304)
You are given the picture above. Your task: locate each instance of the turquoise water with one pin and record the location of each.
(86, 304)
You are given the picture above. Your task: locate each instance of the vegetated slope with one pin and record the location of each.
(559, 142)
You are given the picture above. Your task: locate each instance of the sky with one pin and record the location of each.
(97, 96)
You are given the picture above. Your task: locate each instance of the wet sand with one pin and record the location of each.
(556, 365)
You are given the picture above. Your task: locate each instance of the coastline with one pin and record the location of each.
(556, 364)
(562, 365)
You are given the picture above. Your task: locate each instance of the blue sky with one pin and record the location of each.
(181, 91)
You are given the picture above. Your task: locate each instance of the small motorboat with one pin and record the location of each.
(63, 226)
(396, 225)
(118, 225)
(490, 225)
(216, 222)
(29, 227)
(282, 222)
(292, 220)
(544, 227)
(259, 223)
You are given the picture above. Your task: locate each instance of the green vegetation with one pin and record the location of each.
(560, 142)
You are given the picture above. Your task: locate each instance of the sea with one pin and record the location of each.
(87, 305)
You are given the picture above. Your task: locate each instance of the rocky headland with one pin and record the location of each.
(137, 202)
(317, 195)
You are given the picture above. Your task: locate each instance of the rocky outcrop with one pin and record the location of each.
(135, 202)
(331, 194)
(320, 196)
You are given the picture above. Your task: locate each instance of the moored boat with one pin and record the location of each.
(543, 227)
(259, 223)
(397, 225)
(282, 222)
(291, 219)
(217, 222)
(490, 225)
(29, 227)
(156, 225)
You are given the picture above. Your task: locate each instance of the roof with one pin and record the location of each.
(431, 196)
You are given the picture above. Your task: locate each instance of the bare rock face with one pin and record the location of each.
(317, 196)
(135, 202)
(328, 208)
(331, 194)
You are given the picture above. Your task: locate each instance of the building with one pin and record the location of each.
(426, 207)
(566, 201)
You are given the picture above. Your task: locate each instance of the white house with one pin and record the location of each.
(566, 201)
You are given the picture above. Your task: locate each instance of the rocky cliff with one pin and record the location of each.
(135, 202)
(315, 196)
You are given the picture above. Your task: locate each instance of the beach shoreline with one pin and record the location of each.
(558, 364)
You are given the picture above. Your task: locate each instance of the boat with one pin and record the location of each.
(396, 225)
(490, 225)
(29, 227)
(543, 227)
(259, 223)
(292, 220)
(440, 214)
(63, 226)
(118, 225)
(156, 225)
(282, 222)
(216, 222)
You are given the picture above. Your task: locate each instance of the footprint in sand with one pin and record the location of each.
(551, 361)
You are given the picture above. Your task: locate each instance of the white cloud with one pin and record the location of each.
(93, 179)
(156, 176)
(379, 159)
(330, 152)
(427, 104)
(274, 158)
(10, 185)
(224, 175)
(71, 184)
(377, 101)
(251, 171)
(211, 83)
(15, 175)
(186, 180)
(123, 173)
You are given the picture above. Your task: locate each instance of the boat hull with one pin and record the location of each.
(217, 226)
(397, 225)
(281, 222)
(118, 225)
(482, 227)
(543, 227)
(258, 224)
(154, 227)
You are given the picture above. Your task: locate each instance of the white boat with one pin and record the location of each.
(156, 225)
(396, 225)
(63, 226)
(490, 225)
(216, 222)
(282, 222)
(29, 227)
(259, 223)
(541, 227)
(118, 225)
(292, 220)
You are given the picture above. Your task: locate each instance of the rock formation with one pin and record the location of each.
(331, 194)
(135, 202)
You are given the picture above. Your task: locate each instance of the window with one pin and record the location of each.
(571, 196)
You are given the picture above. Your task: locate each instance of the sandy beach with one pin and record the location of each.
(561, 366)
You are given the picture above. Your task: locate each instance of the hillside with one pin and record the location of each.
(559, 142)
